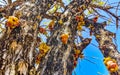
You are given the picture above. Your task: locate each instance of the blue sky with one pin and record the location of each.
(92, 64)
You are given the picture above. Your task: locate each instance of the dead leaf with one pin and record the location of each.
(22, 67)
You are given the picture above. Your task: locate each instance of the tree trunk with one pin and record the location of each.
(17, 46)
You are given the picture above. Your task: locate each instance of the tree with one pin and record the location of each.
(22, 50)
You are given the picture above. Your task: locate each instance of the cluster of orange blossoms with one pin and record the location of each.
(64, 38)
(43, 48)
(12, 22)
(76, 56)
(42, 30)
(81, 22)
(111, 64)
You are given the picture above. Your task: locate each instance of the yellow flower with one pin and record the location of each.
(106, 59)
(77, 51)
(64, 38)
(112, 70)
(79, 27)
(81, 18)
(44, 47)
(38, 58)
(111, 64)
(12, 22)
(81, 23)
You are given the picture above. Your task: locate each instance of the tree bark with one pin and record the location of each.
(20, 58)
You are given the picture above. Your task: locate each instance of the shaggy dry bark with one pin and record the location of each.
(20, 58)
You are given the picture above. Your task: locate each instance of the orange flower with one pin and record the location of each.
(111, 64)
(80, 23)
(42, 30)
(79, 27)
(76, 55)
(44, 48)
(51, 25)
(12, 22)
(38, 58)
(95, 19)
(79, 18)
(75, 63)
(64, 38)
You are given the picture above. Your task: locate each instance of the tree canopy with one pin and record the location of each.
(44, 37)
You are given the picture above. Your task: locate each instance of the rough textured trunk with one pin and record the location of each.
(59, 60)
(20, 58)
(12, 57)
(24, 37)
